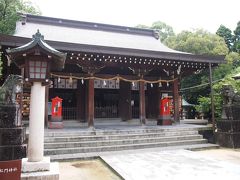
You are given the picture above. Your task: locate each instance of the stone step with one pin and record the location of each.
(86, 132)
(79, 138)
(92, 155)
(121, 147)
(119, 141)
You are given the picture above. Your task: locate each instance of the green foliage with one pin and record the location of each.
(164, 30)
(191, 95)
(232, 39)
(198, 42)
(236, 42)
(9, 16)
(218, 86)
(203, 105)
(226, 33)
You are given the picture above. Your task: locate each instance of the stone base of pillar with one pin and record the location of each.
(43, 165)
(52, 174)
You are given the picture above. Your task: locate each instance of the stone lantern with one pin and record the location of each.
(37, 59)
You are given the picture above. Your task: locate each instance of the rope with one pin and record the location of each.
(112, 78)
(200, 85)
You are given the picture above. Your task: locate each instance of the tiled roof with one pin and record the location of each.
(91, 33)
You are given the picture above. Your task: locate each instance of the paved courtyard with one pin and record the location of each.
(177, 164)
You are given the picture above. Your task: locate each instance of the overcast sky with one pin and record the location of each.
(180, 14)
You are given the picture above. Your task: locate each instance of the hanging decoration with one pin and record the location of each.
(179, 69)
(70, 79)
(117, 78)
(104, 83)
(160, 84)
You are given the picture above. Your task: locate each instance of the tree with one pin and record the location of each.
(236, 42)
(9, 16)
(232, 39)
(163, 29)
(198, 42)
(226, 33)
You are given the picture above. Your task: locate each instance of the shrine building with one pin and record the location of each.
(110, 72)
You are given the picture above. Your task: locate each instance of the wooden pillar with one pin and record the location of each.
(142, 108)
(90, 103)
(176, 104)
(212, 98)
(80, 95)
(125, 108)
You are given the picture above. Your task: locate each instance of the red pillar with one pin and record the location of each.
(176, 104)
(90, 104)
(142, 112)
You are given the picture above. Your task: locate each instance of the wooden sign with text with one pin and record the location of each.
(10, 170)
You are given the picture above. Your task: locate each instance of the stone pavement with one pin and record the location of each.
(171, 165)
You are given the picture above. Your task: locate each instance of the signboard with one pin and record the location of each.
(10, 170)
(106, 84)
(65, 83)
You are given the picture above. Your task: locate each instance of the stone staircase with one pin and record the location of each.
(88, 143)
